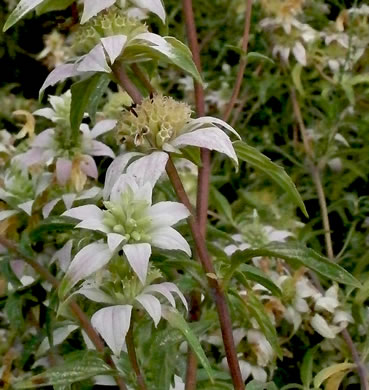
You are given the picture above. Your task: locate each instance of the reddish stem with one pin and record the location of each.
(243, 62)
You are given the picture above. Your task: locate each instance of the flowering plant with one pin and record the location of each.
(128, 189)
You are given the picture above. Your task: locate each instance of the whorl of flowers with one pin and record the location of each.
(154, 122)
(107, 24)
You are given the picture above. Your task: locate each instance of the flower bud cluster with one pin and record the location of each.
(154, 122)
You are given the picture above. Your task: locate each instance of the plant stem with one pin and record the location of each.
(202, 252)
(203, 179)
(74, 307)
(316, 175)
(243, 62)
(133, 358)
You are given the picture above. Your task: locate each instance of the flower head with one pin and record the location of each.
(163, 123)
(129, 222)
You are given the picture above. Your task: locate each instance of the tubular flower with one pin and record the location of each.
(129, 222)
(163, 123)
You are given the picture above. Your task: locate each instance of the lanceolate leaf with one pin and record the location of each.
(53, 5)
(298, 255)
(275, 172)
(86, 95)
(23, 7)
(83, 366)
(331, 370)
(177, 321)
(306, 370)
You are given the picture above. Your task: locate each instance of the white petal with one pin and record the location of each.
(173, 288)
(194, 124)
(92, 224)
(168, 238)
(342, 316)
(326, 303)
(245, 368)
(167, 213)
(88, 166)
(92, 292)
(124, 181)
(210, 138)
(156, 42)
(63, 170)
(87, 261)
(322, 327)
(64, 255)
(48, 113)
(85, 212)
(68, 200)
(113, 323)
(148, 169)
(114, 46)
(103, 127)
(152, 305)
(116, 168)
(114, 240)
(163, 290)
(89, 194)
(44, 139)
(46, 210)
(94, 61)
(154, 6)
(100, 149)
(27, 207)
(144, 193)
(258, 373)
(138, 256)
(60, 73)
(93, 7)
(59, 335)
(299, 52)
(7, 213)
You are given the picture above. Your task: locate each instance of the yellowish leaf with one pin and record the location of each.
(326, 373)
(333, 383)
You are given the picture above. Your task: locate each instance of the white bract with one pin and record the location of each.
(93, 7)
(129, 222)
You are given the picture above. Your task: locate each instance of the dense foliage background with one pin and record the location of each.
(306, 108)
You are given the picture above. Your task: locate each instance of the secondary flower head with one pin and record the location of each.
(160, 122)
(70, 151)
(129, 222)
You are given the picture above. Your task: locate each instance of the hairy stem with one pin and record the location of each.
(74, 307)
(133, 358)
(243, 62)
(316, 176)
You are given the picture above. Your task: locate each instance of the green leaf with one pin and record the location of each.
(23, 7)
(257, 385)
(86, 95)
(221, 204)
(53, 5)
(78, 367)
(13, 310)
(250, 55)
(177, 321)
(298, 255)
(306, 370)
(296, 78)
(49, 226)
(257, 310)
(258, 276)
(275, 172)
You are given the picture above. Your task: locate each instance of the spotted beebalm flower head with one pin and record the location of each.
(160, 122)
(71, 153)
(129, 221)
